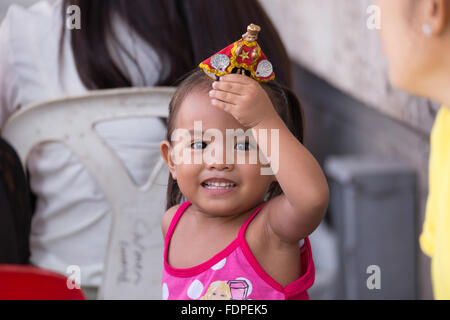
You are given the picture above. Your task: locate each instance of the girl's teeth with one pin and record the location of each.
(219, 185)
(216, 187)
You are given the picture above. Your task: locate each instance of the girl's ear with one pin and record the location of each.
(166, 152)
(436, 15)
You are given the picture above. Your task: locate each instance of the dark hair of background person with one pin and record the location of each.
(283, 99)
(182, 32)
(15, 208)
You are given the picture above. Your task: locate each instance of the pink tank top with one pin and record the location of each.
(232, 274)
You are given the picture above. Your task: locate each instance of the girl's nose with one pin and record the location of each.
(218, 162)
(220, 166)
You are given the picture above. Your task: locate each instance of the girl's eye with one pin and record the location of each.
(242, 146)
(198, 145)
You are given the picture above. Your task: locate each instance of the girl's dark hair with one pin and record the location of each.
(283, 99)
(182, 32)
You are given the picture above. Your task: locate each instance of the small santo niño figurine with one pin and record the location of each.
(241, 56)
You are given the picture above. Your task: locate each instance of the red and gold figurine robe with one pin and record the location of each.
(244, 54)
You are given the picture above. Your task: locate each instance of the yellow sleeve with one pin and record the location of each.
(427, 237)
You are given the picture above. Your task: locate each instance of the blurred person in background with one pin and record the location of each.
(416, 40)
(121, 43)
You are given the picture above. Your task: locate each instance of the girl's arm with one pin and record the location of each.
(298, 212)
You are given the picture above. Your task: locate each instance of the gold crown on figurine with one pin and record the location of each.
(252, 32)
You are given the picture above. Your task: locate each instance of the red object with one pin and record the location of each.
(224, 61)
(18, 282)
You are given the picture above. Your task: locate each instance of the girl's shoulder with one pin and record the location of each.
(167, 218)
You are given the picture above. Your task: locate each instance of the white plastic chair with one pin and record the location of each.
(133, 261)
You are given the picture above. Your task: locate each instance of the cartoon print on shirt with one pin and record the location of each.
(231, 290)
(217, 290)
(239, 289)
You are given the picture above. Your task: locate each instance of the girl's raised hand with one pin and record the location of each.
(243, 98)
(299, 210)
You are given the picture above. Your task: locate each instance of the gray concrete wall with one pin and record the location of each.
(338, 125)
(331, 39)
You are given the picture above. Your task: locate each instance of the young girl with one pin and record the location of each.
(239, 228)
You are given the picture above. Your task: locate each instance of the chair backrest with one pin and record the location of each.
(133, 261)
(19, 282)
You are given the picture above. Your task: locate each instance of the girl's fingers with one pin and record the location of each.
(234, 77)
(227, 107)
(231, 87)
(224, 96)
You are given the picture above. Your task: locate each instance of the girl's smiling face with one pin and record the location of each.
(215, 187)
